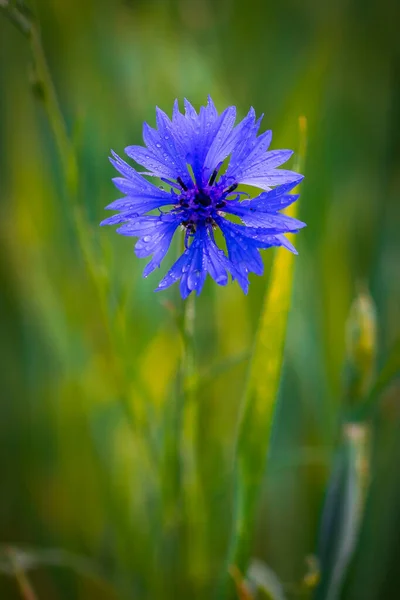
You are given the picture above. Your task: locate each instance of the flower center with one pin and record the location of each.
(201, 202)
(202, 199)
(201, 205)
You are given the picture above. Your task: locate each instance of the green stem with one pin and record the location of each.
(54, 114)
(27, 25)
(16, 16)
(193, 494)
(189, 352)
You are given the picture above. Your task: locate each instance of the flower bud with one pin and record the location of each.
(361, 337)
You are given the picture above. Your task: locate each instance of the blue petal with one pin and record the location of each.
(158, 245)
(242, 140)
(286, 244)
(208, 125)
(275, 222)
(155, 235)
(243, 253)
(275, 199)
(262, 168)
(183, 127)
(215, 261)
(164, 155)
(160, 235)
(134, 183)
(250, 151)
(220, 146)
(194, 276)
(190, 112)
(137, 205)
(260, 237)
(188, 268)
(250, 162)
(171, 145)
(142, 225)
(271, 206)
(198, 133)
(202, 257)
(275, 177)
(175, 271)
(119, 218)
(211, 111)
(144, 157)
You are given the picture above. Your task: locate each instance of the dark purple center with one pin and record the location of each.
(202, 204)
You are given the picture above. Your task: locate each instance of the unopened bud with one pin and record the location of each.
(361, 337)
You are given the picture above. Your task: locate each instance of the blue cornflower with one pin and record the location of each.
(187, 153)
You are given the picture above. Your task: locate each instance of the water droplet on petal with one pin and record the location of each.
(193, 279)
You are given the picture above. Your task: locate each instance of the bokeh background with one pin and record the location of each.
(88, 352)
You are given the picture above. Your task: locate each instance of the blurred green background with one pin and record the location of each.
(88, 377)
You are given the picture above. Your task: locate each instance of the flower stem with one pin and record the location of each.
(192, 489)
(54, 114)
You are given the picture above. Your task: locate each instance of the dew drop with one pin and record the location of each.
(193, 279)
(146, 238)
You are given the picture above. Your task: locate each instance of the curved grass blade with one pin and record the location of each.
(19, 561)
(260, 396)
(265, 580)
(344, 510)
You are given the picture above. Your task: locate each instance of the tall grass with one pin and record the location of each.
(149, 453)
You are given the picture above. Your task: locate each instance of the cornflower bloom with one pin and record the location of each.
(187, 154)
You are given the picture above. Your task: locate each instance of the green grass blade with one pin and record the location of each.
(261, 394)
(344, 509)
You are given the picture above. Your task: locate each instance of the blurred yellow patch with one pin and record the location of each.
(158, 365)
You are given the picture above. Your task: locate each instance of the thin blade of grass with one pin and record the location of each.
(261, 394)
(344, 509)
